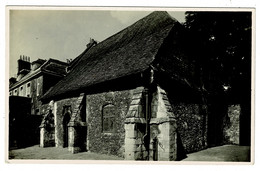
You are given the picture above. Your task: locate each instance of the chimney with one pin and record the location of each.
(91, 42)
(36, 64)
(12, 80)
(24, 66)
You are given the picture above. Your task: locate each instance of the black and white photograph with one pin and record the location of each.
(130, 84)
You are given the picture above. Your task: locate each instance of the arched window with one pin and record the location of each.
(108, 118)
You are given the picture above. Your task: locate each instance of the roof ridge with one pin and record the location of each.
(155, 15)
(151, 15)
(129, 51)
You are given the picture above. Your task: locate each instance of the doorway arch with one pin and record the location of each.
(65, 121)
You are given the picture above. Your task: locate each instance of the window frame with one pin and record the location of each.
(21, 91)
(109, 117)
(15, 92)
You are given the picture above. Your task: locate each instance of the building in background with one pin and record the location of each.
(33, 80)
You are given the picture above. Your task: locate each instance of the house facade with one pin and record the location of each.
(132, 95)
(33, 80)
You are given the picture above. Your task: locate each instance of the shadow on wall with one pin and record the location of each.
(24, 131)
(23, 127)
(217, 113)
(181, 152)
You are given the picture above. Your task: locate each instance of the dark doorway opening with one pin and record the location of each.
(155, 149)
(66, 120)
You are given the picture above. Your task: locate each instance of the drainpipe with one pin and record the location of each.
(147, 108)
(146, 111)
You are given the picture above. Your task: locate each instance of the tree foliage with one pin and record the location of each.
(220, 43)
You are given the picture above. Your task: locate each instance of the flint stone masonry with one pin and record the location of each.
(112, 142)
(59, 127)
(47, 127)
(191, 125)
(231, 125)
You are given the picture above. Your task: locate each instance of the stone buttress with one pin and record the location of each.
(163, 135)
(77, 127)
(159, 127)
(135, 128)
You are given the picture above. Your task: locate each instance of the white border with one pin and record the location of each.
(183, 3)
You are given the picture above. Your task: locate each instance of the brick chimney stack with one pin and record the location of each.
(24, 66)
(92, 42)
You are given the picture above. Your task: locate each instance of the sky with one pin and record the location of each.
(63, 34)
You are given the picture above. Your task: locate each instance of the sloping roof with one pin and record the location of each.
(54, 66)
(128, 52)
(51, 66)
(75, 61)
(39, 61)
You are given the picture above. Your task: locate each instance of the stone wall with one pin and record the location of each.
(107, 142)
(231, 125)
(47, 128)
(191, 126)
(59, 116)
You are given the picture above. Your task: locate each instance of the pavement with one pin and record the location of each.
(53, 153)
(226, 153)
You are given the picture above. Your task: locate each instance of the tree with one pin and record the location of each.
(220, 44)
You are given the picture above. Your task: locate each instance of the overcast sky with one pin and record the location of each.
(64, 34)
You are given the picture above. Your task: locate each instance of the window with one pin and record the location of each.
(15, 92)
(108, 118)
(21, 91)
(28, 90)
(10, 93)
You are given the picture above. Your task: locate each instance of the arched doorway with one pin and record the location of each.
(66, 120)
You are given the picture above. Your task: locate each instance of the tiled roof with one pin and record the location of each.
(128, 52)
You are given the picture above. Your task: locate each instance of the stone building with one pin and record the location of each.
(33, 80)
(131, 95)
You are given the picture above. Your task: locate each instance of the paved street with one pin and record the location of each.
(221, 153)
(53, 153)
(229, 153)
